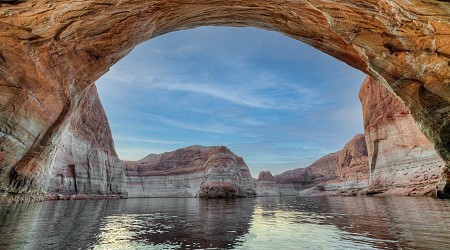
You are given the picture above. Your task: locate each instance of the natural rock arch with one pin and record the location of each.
(51, 51)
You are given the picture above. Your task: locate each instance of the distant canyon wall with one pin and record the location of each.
(342, 170)
(399, 154)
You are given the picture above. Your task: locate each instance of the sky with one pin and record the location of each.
(277, 102)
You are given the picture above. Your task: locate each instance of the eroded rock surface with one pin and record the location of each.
(353, 171)
(86, 162)
(195, 171)
(399, 154)
(51, 51)
(342, 170)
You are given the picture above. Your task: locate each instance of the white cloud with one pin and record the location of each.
(145, 140)
(210, 128)
(224, 94)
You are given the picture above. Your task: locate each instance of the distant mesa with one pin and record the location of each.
(265, 176)
(195, 171)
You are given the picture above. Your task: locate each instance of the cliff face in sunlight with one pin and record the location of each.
(85, 161)
(195, 171)
(400, 156)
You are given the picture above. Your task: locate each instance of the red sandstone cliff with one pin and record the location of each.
(344, 169)
(85, 161)
(400, 156)
(195, 171)
(353, 170)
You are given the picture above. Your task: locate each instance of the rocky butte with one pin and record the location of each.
(265, 185)
(195, 171)
(51, 52)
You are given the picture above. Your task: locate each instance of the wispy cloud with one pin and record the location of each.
(208, 89)
(257, 93)
(248, 89)
(210, 128)
(146, 140)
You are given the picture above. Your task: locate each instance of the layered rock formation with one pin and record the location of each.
(345, 169)
(353, 171)
(50, 52)
(399, 154)
(322, 170)
(195, 171)
(86, 162)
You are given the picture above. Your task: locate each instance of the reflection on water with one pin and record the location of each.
(256, 223)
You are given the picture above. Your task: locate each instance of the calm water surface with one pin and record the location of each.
(254, 223)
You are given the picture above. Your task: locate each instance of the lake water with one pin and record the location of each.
(253, 223)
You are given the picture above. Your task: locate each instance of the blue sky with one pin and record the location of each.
(275, 101)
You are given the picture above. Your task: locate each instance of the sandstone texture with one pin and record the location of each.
(52, 51)
(353, 171)
(195, 171)
(345, 169)
(400, 156)
(86, 162)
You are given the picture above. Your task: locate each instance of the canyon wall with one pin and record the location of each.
(345, 169)
(400, 156)
(352, 171)
(85, 162)
(195, 171)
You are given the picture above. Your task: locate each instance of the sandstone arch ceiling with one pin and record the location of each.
(51, 51)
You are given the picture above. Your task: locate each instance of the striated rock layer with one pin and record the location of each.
(399, 153)
(51, 51)
(345, 169)
(195, 171)
(86, 162)
(353, 171)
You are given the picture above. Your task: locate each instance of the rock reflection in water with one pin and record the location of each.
(350, 222)
(178, 223)
(17, 222)
(252, 223)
